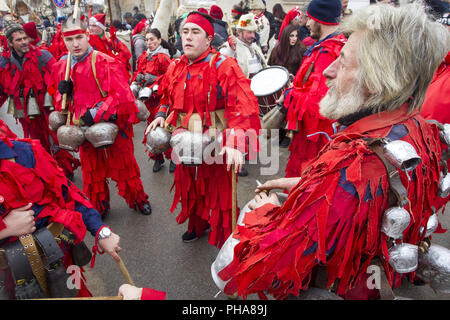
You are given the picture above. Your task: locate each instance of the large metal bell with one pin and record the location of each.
(431, 227)
(102, 134)
(70, 137)
(189, 146)
(434, 268)
(444, 133)
(404, 257)
(48, 101)
(143, 113)
(402, 155)
(135, 89)
(145, 93)
(395, 221)
(32, 106)
(158, 140)
(226, 253)
(56, 119)
(444, 186)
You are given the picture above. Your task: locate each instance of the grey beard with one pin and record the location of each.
(334, 108)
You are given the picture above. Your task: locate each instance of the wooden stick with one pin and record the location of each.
(234, 198)
(125, 272)
(69, 59)
(83, 298)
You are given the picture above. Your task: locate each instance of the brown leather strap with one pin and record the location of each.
(35, 260)
(94, 70)
(398, 194)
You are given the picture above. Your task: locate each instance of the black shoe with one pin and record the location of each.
(285, 142)
(243, 172)
(189, 237)
(158, 165)
(172, 166)
(145, 208)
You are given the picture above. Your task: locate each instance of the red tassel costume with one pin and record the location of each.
(117, 161)
(205, 192)
(34, 177)
(17, 79)
(302, 101)
(333, 216)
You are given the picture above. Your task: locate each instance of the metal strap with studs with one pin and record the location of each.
(36, 264)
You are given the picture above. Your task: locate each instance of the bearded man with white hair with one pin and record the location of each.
(332, 218)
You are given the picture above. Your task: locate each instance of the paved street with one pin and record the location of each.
(152, 248)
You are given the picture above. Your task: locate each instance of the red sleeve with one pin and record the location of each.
(152, 294)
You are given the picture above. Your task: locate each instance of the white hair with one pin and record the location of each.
(399, 53)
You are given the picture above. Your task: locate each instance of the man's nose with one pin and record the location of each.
(330, 72)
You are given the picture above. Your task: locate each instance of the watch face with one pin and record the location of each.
(106, 232)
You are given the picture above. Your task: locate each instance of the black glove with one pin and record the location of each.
(149, 79)
(65, 86)
(140, 78)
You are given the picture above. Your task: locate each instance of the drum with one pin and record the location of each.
(268, 84)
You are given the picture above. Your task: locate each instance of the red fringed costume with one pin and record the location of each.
(34, 177)
(302, 101)
(117, 161)
(333, 217)
(33, 73)
(212, 82)
(437, 101)
(156, 65)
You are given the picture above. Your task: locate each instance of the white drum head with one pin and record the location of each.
(269, 81)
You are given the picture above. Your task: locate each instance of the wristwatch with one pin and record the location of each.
(104, 233)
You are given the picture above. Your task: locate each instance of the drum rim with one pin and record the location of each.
(270, 67)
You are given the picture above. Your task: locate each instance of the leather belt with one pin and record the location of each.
(35, 261)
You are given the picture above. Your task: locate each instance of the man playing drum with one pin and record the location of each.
(205, 87)
(309, 86)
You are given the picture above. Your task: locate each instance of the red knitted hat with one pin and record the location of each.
(30, 29)
(216, 12)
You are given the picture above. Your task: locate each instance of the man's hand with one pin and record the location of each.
(158, 122)
(233, 157)
(232, 42)
(129, 292)
(19, 222)
(262, 199)
(65, 87)
(282, 183)
(111, 246)
(280, 100)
